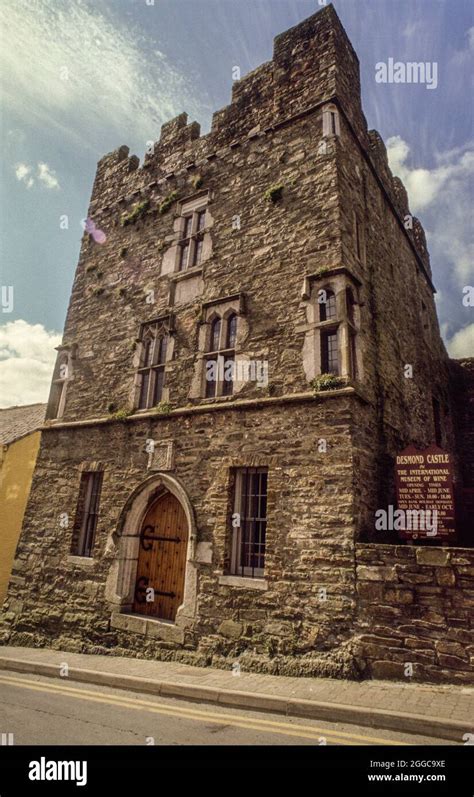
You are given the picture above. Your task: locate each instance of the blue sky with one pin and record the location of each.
(82, 77)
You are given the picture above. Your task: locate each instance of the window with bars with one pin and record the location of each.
(153, 359)
(87, 513)
(191, 241)
(220, 358)
(329, 352)
(249, 522)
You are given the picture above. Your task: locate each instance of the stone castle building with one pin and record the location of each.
(232, 390)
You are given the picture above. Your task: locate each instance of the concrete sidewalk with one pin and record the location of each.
(445, 712)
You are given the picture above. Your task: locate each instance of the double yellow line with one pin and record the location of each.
(263, 725)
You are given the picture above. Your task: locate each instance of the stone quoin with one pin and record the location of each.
(256, 543)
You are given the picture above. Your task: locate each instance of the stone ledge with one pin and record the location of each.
(81, 561)
(243, 582)
(147, 626)
(216, 407)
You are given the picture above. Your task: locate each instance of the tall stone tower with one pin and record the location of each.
(230, 392)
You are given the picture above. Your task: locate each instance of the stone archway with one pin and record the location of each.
(124, 543)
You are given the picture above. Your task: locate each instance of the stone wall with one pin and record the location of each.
(415, 607)
(308, 604)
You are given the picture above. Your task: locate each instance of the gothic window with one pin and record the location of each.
(220, 357)
(191, 238)
(87, 513)
(249, 522)
(57, 396)
(151, 371)
(327, 305)
(336, 318)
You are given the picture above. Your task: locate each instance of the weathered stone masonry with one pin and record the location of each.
(295, 131)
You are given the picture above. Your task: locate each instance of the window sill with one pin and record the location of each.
(81, 561)
(244, 582)
(177, 276)
(213, 400)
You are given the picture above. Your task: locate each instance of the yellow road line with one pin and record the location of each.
(303, 731)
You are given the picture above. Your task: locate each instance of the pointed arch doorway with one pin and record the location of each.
(162, 554)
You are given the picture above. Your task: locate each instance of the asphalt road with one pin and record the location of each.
(40, 710)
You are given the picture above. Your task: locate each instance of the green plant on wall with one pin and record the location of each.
(136, 213)
(321, 272)
(120, 415)
(163, 408)
(327, 382)
(167, 202)
(273, 194)
(197, 181)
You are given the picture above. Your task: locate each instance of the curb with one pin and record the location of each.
(452, 730)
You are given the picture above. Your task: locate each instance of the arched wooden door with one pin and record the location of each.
(159, 587)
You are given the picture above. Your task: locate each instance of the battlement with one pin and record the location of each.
(313, 63)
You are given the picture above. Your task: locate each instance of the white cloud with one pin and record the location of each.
(462, 343)
(47, 176)
(27, 357)
(424, 185)
(44, 173)
(80, 69)
(443, 193)
(23, 174)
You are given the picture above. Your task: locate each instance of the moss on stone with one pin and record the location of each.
(327, 382)
(167, 202)
(273, 194)
(136, 213)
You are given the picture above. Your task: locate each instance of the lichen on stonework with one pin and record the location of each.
(136, 213)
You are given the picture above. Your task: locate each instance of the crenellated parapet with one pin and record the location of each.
(397, 192)
(313, 65)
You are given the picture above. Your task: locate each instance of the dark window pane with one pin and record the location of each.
(329, 353)
(228, 382)
(183, 259)
(327, 309)
(211, 377)
(197, 252)
(87, 513)
(215, 334)
(158, 386)
(353, 355)
(147, 352)
(188, 223)
(201, 219)
(143, 401)
(350, 305)
(162, 349)
(231, 331)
